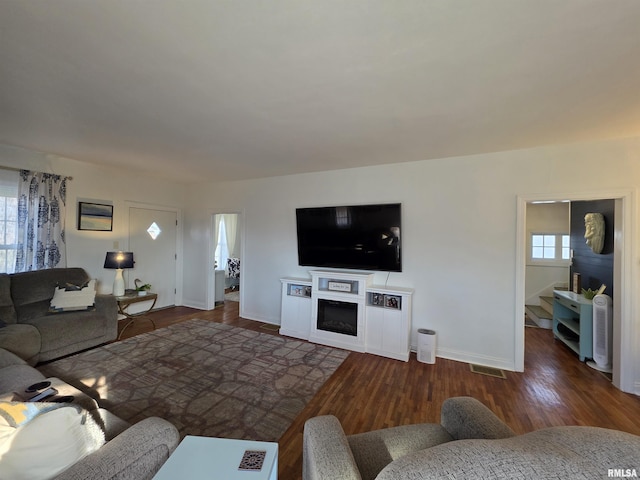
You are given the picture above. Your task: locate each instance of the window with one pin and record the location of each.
(154, 230)
(8, 220)
(550, 247)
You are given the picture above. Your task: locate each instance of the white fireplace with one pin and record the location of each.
(338, 309)
(345, 310)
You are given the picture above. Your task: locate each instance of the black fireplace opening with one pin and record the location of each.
(338, 317)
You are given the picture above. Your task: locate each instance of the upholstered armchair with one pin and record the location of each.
(469, 442)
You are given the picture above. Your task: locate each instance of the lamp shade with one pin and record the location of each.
(119, 260)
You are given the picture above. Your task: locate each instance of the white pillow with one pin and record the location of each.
(67, 300)
(41, 447)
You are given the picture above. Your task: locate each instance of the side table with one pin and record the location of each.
(200, 458)
(130, 298)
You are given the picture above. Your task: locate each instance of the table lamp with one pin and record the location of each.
(118, 261)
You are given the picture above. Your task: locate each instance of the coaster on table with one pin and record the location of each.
(252, 460)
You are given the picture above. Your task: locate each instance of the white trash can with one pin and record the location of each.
(426, 345)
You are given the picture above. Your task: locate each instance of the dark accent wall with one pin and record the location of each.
(594, 269)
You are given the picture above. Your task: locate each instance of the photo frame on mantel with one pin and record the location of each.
(95, 216)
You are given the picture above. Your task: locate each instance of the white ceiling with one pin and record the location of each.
(199, 90)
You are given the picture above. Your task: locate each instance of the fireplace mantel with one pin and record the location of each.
(383, 315)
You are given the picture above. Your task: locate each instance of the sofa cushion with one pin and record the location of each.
(374, 450)
(557, 452)
(7, 358)
(15, 377)
(32, 291)
(61, 434)
(468, 418)
(71, 297)
(7, 310)
(15, 373)
(22, 340)
(69, 328)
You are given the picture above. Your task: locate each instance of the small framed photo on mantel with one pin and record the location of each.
(95, 216)
(393, 301)
(299, 290)
(376, 299)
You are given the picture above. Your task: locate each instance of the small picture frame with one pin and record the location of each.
(336, 286)
(299, 290)
(95, 216)
(577, 284)
(377, 299)
(393, 301)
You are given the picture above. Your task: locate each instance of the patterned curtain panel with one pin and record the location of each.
(41, 213)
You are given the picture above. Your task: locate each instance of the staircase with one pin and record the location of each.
(541, 315)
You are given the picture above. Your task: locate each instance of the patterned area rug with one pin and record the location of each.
(206, 378)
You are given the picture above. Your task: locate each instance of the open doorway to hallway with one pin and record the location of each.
(227, 261)
(548, 259)
(623, 206)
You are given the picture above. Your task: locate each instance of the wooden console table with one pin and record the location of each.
(130, 298)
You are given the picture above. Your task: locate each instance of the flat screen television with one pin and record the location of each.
(361, 237)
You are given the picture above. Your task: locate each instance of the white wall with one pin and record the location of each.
(545, 218)
(459, 230)
(84, 248)
(459, 233)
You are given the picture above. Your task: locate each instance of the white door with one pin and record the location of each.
(153, 239)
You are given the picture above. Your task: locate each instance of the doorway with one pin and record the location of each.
(225, 278)
(623, 372)
(548, 225)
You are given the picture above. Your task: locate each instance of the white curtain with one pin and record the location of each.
(231, 226)
(222, 250)
(42, 201)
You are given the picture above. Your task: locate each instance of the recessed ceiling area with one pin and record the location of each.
(205, 90)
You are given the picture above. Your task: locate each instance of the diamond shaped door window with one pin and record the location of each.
(154, 230)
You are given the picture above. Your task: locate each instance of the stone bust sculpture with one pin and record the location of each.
(594, 231)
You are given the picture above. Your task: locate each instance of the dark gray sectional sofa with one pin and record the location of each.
(34, 333)
(130, 452)
(88, 442)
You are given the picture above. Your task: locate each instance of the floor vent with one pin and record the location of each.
(492, 372)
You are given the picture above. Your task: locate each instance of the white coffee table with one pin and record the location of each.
(217, 458)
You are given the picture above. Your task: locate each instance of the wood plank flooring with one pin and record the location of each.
(369, 392)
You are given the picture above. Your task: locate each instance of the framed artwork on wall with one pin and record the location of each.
(95, 216)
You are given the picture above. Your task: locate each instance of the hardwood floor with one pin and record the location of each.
(369, 392)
